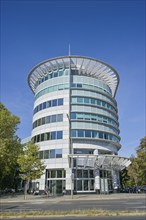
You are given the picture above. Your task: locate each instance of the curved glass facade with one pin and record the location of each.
(76, 111)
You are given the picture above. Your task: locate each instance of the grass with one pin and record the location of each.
(87, 212)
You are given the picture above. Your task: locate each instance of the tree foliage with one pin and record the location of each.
(30, 165)
(9, 146)
(136, 173)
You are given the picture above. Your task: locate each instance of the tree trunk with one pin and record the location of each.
(25, 189)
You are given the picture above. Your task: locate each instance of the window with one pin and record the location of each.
(42, 137)
(91, 174)
(73, 115)
(39, 122)
(48, 104)
(60, 73)
(94, 134)
(48, 136)
(54, 102)
(53, 135)
(59, 134)
(52, 153)
(53, 173)
(79, 99)
(79, 173)
(79, 85)
(80, 133)
(44, 105)
(85, 173)
(56, 74)
(73, 133)
(100, 134)
(38, 138)
(59, 117)
(93, 101)
(53, 118)
(46, 154)
(86, 100)
(59, 173)
(43, 121)
(47, 119)
(58, 153)
(60, 102)
(87, 133)
(41, 153)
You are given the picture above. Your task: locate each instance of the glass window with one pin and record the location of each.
(48, 104)
(79, 99)
(42, 137)
(59, 134)
(73, 133)
(91, 174)
(94, 134)
(52, 153)
(53, 118)
(87, 133)
(80, 133)
(58, 153)
(100, 134)
(79, 185)
(54, 102)
(56, 74)
(79, 173)
(41, 107)
(60, 73)
(43, 120)
(74, 99)
(53, 173)
(85, 173)
(48, 136)
(93, 101)
(44, 105)
(86, 100)
(73, 115)
(60, 102)
(80, 116)
(98, 102)
(39, 122)
(91, 184)
(93, 117)
(79, 85)
(38, 138)
(87, 116)
(59, 173)
(60, 117)
(47, 119)
(46, 78)
(46, 154)
(53, 135)
(41, 153)
(85, 185)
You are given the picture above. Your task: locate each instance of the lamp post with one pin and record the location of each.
(71, 153)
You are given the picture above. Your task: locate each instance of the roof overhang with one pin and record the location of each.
(85, 66)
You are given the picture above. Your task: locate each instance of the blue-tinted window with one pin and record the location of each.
(56, 74)
(44, 105)
(79, 85)
(94, 134)
(73, 132)
(100, 134)
(60, 101)
(46, 78)
(54, 102)
(59, 117)
(93, 101)
(53, 135)
(87, 133)
(53, 118)
(98, 102)
(59, 134)
(48, 104)
(47, 119)
(58, 153)
(52, 153)
(73, 115)
(79, 99)
(86, 100)
(60, 73)
(80, 133)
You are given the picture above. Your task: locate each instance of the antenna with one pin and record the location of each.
(69, 49)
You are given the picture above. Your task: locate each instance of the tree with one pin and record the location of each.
(30, 165)
(137, 169)
(10, 147)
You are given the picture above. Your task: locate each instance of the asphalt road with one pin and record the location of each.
(46, 205)
(89, 218)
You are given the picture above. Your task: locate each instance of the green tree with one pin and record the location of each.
(30, 165)
(137, 169)
(9, 147)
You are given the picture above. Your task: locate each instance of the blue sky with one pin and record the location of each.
(111, 31)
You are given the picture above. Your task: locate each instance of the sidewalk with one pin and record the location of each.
(30, 198)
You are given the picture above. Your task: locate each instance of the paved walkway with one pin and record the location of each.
(20, 198)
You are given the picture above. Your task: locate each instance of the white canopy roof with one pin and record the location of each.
(85, 66)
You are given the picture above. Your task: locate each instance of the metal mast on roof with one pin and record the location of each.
(69, 49)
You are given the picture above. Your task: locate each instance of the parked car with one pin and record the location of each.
(143, 189)
(136, 189)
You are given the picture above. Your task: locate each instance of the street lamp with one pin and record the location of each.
(71, 153)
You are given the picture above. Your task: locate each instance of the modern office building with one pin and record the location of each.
(75, 123)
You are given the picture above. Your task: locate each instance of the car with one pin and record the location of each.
(143, 189)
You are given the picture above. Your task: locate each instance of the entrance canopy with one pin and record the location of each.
(106, 162)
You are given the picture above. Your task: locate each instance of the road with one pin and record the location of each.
(46, 205)
(89, 218)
